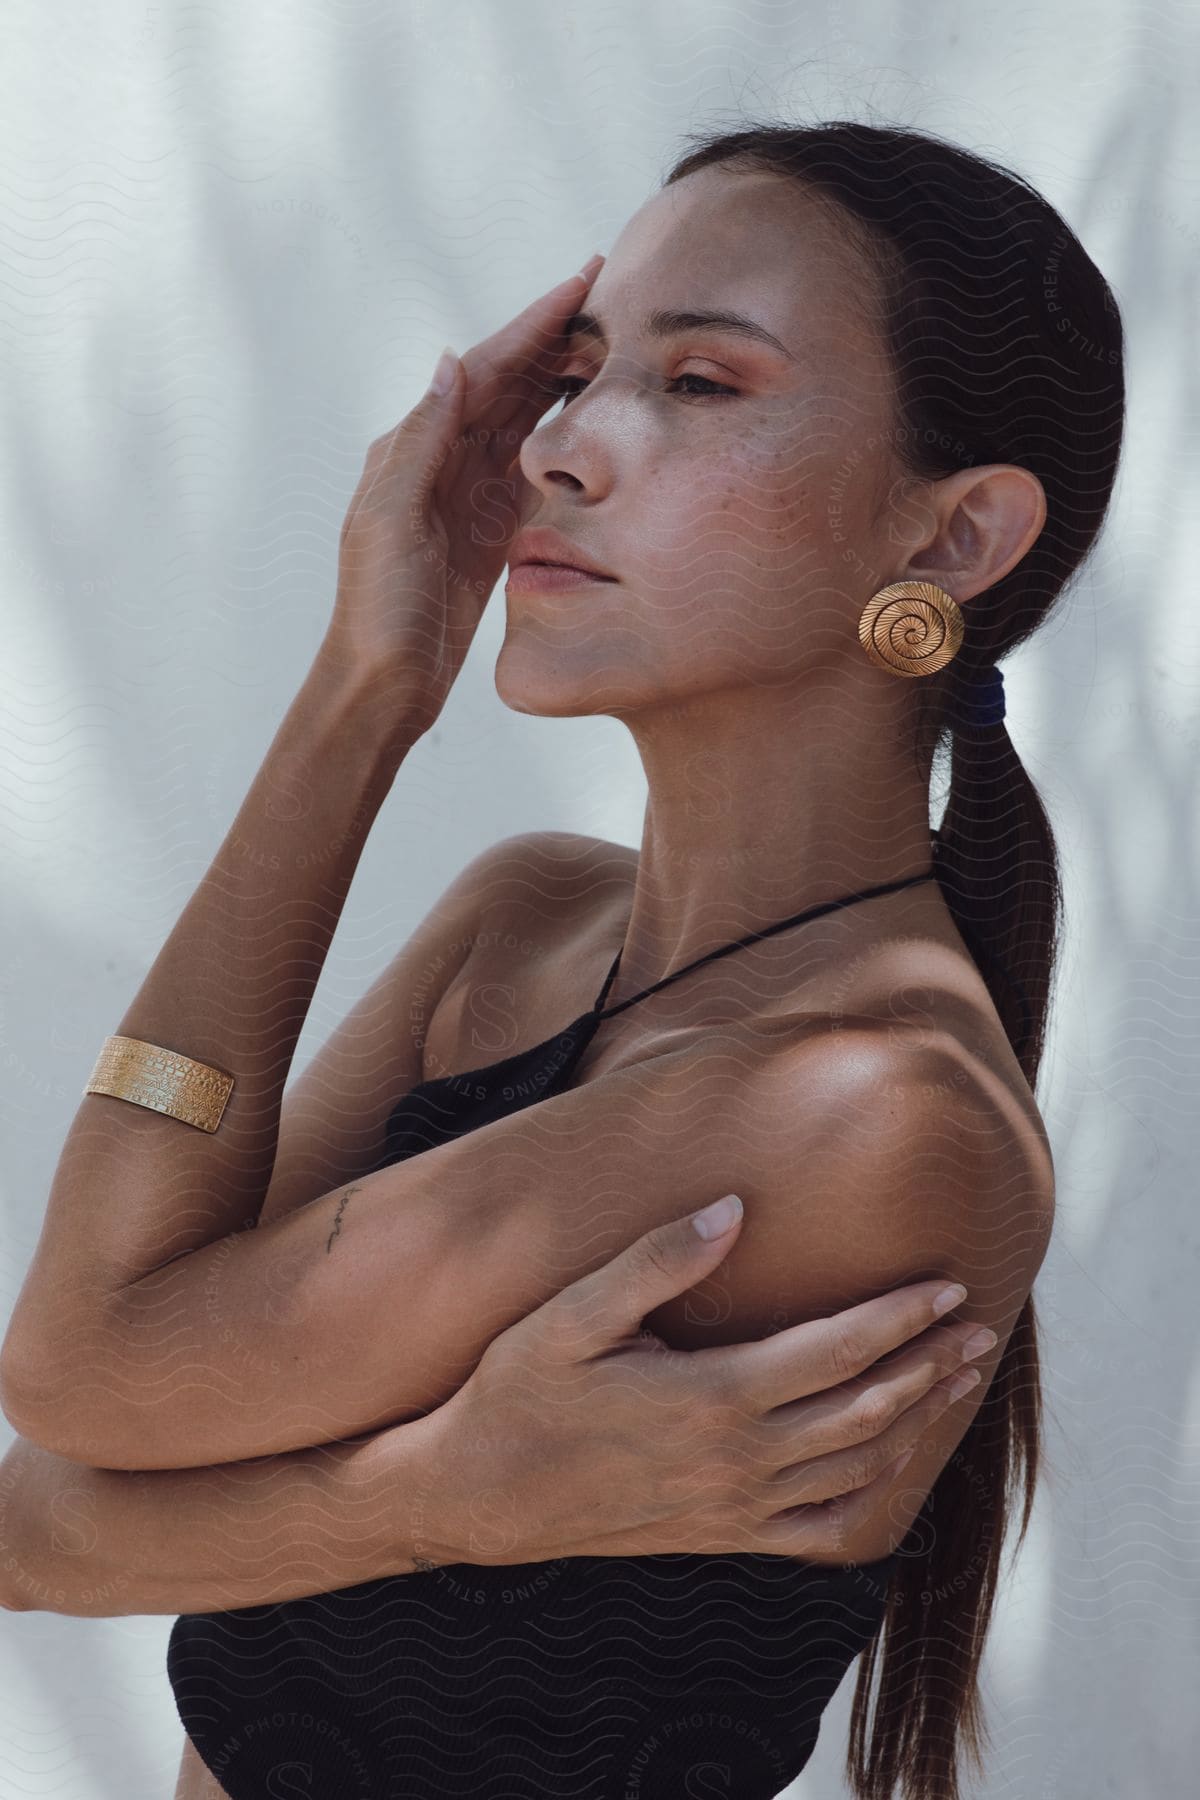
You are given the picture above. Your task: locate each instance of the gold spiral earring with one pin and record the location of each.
(911, 628)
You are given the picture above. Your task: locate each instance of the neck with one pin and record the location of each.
(761, 805)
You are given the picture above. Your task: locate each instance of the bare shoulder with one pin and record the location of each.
(867, 1160)
(575, 857)
(557, 887)
(570, 864)
(867, 1157)
(924, 1100)
(536, 901)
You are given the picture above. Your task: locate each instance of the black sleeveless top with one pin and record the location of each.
(581, 1678)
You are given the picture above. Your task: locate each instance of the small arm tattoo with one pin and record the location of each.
(337, 1219)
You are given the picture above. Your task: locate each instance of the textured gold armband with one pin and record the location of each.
(161, 1079)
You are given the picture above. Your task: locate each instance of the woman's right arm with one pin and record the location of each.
(573, 1437)
(98, 1543)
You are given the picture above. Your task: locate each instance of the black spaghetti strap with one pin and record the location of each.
(812, 912)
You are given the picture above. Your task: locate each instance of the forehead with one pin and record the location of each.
(745, 241)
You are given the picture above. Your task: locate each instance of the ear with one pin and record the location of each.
(984, 520)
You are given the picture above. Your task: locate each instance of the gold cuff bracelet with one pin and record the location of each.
(161, 1079)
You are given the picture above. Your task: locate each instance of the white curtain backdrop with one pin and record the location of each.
(234, 239)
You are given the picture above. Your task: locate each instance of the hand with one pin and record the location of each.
(424, 539)
(591, 1437)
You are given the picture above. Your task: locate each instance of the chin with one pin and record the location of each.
(530, 677)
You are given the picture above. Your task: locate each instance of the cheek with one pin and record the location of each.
(803, 504)
(758, 512)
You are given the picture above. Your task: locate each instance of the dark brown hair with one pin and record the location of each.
(1006, 345)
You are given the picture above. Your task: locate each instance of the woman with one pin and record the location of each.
(915, 378)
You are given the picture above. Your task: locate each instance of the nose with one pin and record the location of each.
(547, 458)
(515, 473)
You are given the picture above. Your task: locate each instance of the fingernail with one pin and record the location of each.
(977, 1343)
(443, 375)
(951, 1296)
(718, 1218)
(962, 1384)
(596, 257)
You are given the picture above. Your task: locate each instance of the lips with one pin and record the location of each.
(551, 549)
(538, 562)
(552, 578)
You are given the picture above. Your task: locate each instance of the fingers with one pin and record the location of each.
(823, 1478)
(497, 370)
(417, 444)
(829, 1502)
(820, 1529)
(508, 372)
(813, 1473)
(820, 1353)
(605, 1307)
(840, 1417)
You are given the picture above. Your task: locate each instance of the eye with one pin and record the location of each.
(567, 386)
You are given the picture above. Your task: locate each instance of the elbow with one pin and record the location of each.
(13, 1596)
(55, 1410)
(33, 1419)
(17, 1367)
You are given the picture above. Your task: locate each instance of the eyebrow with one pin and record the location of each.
(666, 323)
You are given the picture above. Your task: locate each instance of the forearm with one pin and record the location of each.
(97, 1543)
(230, 987)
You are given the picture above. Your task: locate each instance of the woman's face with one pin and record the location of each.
(737, 490)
